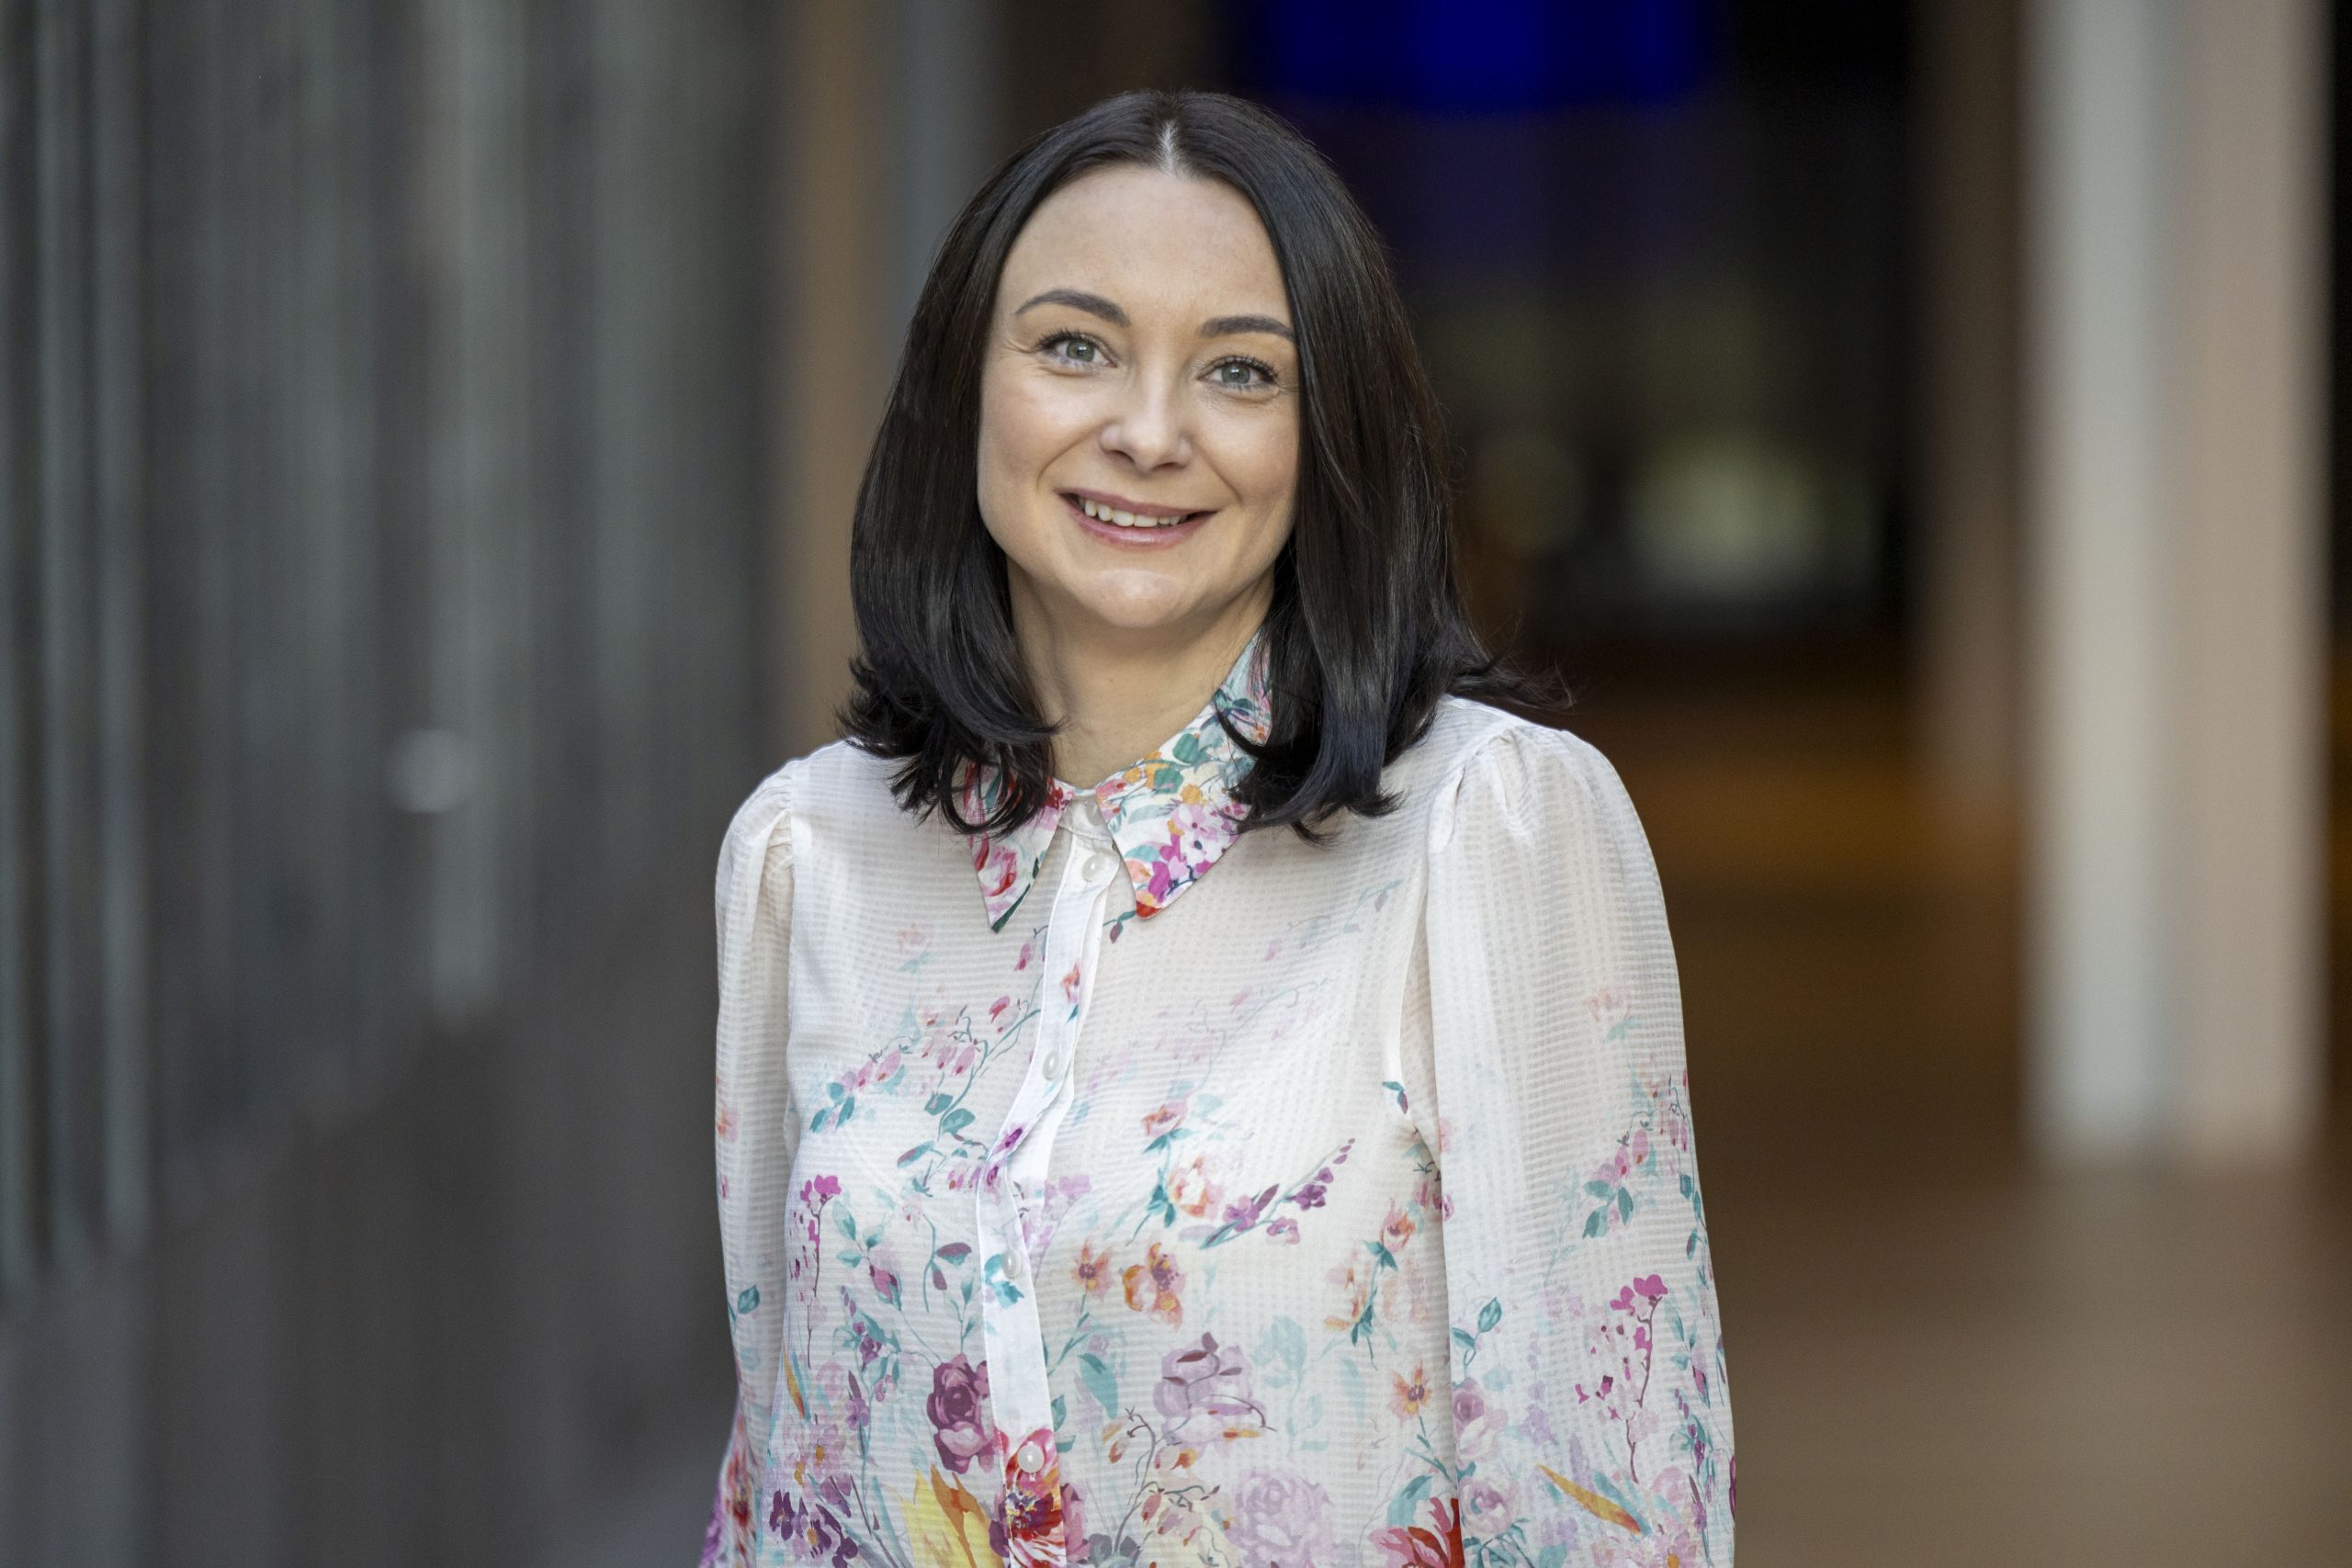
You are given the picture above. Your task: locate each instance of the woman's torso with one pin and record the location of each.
(1152, 1185)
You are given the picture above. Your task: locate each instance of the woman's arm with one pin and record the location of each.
(757, 1130)
(1592, 1420)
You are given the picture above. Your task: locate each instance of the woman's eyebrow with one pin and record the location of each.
(1095, 305)
(1226, 326)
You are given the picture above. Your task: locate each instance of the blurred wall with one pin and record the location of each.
(386, 457)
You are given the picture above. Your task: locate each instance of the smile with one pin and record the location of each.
(1135, 524)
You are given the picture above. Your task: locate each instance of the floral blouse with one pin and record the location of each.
(1337, 1208)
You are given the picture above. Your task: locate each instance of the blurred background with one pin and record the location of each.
(427, 431)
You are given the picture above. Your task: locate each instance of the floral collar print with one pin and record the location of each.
(1171, 815)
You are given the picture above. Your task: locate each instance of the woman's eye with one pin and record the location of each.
(1242, 374)
(1075, 350)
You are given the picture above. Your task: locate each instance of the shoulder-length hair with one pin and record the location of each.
(1366, 631)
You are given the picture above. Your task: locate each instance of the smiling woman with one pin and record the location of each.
(1138, 448)
(1344, 1212)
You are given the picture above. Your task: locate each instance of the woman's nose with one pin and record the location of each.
(1148, 427)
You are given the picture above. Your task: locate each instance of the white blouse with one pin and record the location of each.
(1336, 1208)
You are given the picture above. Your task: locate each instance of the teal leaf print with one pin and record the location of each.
(748, 1302)
(1490, 1315)
(1096, 1375)
(1285, 1343)
(914, 1154)
(1406, 1504)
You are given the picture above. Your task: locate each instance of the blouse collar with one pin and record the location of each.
(1170, 814)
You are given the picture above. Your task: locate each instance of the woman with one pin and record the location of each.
(1106, 1175)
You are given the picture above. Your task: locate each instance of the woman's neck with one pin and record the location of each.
(1118, 695)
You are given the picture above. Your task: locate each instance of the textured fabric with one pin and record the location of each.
(1341, 1210)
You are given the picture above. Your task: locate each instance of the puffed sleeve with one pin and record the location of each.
(1592, 1421)
(756, 1131)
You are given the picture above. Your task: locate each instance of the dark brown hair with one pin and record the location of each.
(1366, 631)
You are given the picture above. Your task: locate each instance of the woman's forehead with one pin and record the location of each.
(1168, 239)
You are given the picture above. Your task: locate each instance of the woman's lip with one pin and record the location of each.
(1158, 537)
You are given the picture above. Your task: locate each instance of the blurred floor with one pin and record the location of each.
(1940, 1355)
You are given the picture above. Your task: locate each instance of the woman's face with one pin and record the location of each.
(1139, 409)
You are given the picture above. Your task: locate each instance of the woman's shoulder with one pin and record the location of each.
(1485, 765)
(835, 776)
(837, 785)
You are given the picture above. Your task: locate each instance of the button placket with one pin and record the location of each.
(1020, 1398)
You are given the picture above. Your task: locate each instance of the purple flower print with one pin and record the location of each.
(1280, 1520)
(1206, 1379)
(958, 1408)
(811, 1529)
(1245, 1214)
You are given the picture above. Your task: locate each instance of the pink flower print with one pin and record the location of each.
(819, 1190)
(1156, 1284)
(1071, 985)
(1191, 1190)
(1284, 1230)
(1167, 1119)
(1198, 833)
(1281, 1520)
(1031, 1526)
(997, 866)
(1093, 1269)
(1407, 1396)
(1397, 1229)
(1207, 1380)
(1610, 1008)
(1490, 1505)
(1413, 1546)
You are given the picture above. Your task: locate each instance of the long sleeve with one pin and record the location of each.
(757, 1130)
(1592, 1420)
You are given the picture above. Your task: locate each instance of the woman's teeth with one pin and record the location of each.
(1117, 518)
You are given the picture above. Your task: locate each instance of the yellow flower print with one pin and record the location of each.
(1410, 1394)
(1158, 1279)
(946, 1526)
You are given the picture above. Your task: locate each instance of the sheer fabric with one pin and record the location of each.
(1185, 1197)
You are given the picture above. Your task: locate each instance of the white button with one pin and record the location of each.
(1031, 1457)
(1054, 1062)
(1098, 867)
(1012, 1265)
